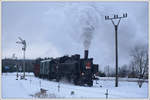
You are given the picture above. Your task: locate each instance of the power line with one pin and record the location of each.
(116, 39)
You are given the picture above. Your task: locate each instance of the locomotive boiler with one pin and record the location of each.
(78, 70)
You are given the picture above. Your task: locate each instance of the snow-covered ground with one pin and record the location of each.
(12, 88)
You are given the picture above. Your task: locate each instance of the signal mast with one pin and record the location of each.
(23, 42)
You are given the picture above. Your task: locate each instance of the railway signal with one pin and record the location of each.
(23, 42)
(16, 65)
(116, 39)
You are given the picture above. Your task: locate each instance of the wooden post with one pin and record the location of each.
(40, 83)
(106, 94)
(58, 87)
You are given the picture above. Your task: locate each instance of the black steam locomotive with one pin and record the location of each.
(79, 71)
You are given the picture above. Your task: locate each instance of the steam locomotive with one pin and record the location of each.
(78, 70)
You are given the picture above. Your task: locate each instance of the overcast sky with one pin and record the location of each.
(53, 29)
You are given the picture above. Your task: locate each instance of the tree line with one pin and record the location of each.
(12, 65)
(137, 67)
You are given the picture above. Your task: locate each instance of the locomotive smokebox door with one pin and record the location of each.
(88, 65)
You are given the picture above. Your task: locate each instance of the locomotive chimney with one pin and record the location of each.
(85, 54)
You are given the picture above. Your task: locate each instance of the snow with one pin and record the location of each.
(12, 88)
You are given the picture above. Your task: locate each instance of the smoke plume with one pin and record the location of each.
(87, 36)
(88, 21)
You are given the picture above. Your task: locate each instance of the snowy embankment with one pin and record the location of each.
(121, 79)
(12, 88)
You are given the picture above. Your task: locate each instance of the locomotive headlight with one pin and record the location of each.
(82, 74)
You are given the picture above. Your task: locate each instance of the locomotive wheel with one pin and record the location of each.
(76, 81)
(39, 76)
(90, 83)
(58, 78)
(80, 82)
(50, 77)
(69, 78)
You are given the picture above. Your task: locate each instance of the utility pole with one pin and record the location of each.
(23, 42)
(116, 40)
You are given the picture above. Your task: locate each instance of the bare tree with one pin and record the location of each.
(123, 71)
(139, 61)
(132, 70)
(107, 70)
